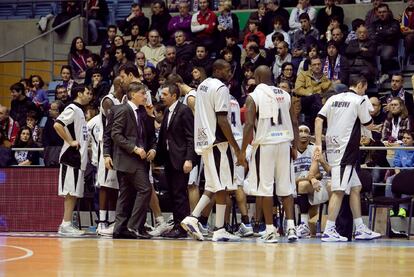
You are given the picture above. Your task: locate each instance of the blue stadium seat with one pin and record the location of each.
(42, 9)
(24, 10)
(6, 10)
(123, 8)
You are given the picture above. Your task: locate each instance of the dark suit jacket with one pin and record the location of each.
(180, 136)
(124, 135)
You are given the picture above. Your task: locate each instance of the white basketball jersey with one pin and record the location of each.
(74, 121)
(190, 93)
(212, 97)
(344, 114)
(303, 162)
(234, 119)
(94, 130)
(272, 102)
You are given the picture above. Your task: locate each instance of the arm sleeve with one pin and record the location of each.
(222, 100)
(195, 26)
(66, 117)
(363, 112)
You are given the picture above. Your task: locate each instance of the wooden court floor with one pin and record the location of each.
(22, 256)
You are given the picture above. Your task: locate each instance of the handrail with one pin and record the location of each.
(39, 36)
(386, 147)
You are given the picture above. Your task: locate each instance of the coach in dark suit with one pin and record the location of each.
(133, 136)
(175, 151)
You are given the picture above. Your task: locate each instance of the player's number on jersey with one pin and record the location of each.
(279, 119)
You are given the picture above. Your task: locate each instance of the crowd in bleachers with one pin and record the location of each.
(311, 53)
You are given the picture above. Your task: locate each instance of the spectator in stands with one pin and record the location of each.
(287, 74)
(235, 80)
(312, 85)
(49, 135)
(227, 22)
(135, 17)
(274, 9)
(258, 15)
(9, 128)
(202, 59)
(24, 140)
(302, 38)
(61, 94)
(356, 23)
(32, 120)
(361, 55)
(154, 51)
(407, 28)
(67, 79)
(277, 28)
(141, 62)
(282, 57)
(326, 14)
(396, 123)
(397, 90)
(160, 19)
(372, 15)
(151, 81)
(203, 26)
(302, 7)
(99, 87)
(69, 9)
(185, 49)
(385, 31)
(169, 64)
(254, 56)
(121, 59)
(134, 40)
(97, 17)
(311, 51)
(339, 38)
(77, 58)
(254, 30)
(20, 104)
(109, 40)
(198, 74)
(232, 44)
(92, 61)
(180, 22)
(336, 67)
(378, 117)
(37, 93)
(118, 41)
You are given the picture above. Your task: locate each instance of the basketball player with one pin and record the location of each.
(72, 128)
(107, 178)
(213, 138)
(344, 114)
(269, 112)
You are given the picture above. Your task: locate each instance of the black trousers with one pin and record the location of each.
(133, 201)
(177, 182)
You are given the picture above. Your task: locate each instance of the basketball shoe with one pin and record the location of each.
(190, 225)
(303, 231)
(160, 228)
(331, 235)
(69, 230)
(245, 230)
(364, 233)
(269, 237)
(222, 235)
(204, 229)
(291, 235)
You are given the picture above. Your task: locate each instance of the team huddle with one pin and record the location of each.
(268, 154)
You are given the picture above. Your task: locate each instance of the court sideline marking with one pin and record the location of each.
(28, 254)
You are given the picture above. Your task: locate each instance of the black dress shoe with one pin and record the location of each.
(126, 234)
(141, 234)
(175, 233)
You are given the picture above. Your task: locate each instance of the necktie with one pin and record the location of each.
(140, 138)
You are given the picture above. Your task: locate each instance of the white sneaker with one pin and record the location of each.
(190, 225)
(222, 235)
(107, 232)
(365, 233)
(303, 231)
(101, 226)
(331, 235)
(69, 231)
(245, 230)
(269, 237)
(291, 235)
(204, 229)
(160, 228)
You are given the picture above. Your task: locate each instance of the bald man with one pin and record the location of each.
(270, 113)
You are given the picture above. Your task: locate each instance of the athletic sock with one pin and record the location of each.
(159, 220)
(304, 218)
(269, 228)
(330, 225)
(220, 212)
(66, 223)
(359, 224)
(202, 203)
(290, 224)
(111, 216)
(102, 215)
